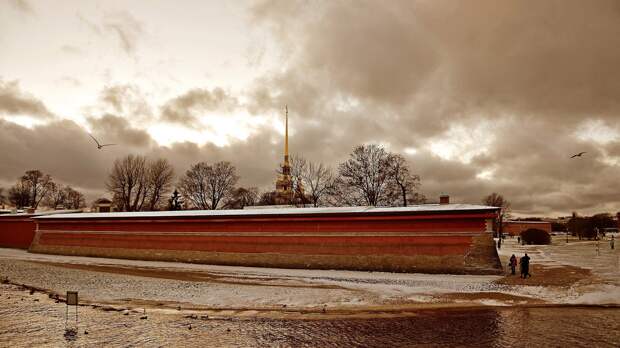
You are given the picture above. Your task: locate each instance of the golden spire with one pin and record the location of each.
(286, 136)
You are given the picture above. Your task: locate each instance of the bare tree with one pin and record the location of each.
(267, 198)
(242, 197)
(138, 184)
(3, 198)
(73, 199)
(365, 174)
(343, 195)
(39, 184)
(402, 184)
(497, 200)
(417, 198)
(298, 166)
(318, 181)
(160, 175)
(19, 195)
(56, 197)
(127, 182)
(65, 197)
(194, 186)
(206, 186)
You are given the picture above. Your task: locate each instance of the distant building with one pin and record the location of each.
(103, 205)
(515, 228)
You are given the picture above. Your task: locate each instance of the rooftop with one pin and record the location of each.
(425, 208)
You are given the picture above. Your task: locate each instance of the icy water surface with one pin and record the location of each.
(34, 320)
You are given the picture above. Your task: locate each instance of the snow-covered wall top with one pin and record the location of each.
(41, 213)
(415, 209)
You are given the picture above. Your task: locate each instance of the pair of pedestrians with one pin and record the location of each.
(525, 265)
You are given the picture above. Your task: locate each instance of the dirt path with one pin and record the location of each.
(542, 275)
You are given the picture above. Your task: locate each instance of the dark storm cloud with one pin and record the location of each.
(14, 101)
(553, 58)
(186, 108)
(549, 58)
(64, 150)
(61, 148)
(532, 72)
(613, 149)
(520, 77)
(115, 129)
(256, 159)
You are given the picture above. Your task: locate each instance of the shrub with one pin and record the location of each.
(535, 236)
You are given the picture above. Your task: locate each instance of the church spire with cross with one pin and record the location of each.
(286, 161)
(284, 183)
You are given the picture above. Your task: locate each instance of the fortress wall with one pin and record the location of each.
(435, 243)
(16, 231)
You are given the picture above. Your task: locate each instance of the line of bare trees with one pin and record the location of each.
(35, 189)
(137, 183)
(371, 176)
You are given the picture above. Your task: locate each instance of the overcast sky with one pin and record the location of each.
(480, 96)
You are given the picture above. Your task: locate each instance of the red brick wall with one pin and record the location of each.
(447, 242)
(353, 241)
(354, 235)
(16, 232)
(301, 245)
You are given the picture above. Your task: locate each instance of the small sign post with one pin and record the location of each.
(72, 300)
(598, 247)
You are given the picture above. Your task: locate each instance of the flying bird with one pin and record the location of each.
(99, 146)
(578, 155)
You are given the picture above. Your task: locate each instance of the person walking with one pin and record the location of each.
(525, 266)
(513, 263)
(612, 242)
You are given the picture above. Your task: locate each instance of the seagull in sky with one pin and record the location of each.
(99, 146)
(578, 155)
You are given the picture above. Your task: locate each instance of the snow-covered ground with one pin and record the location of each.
(596, 256)
(120, 281)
